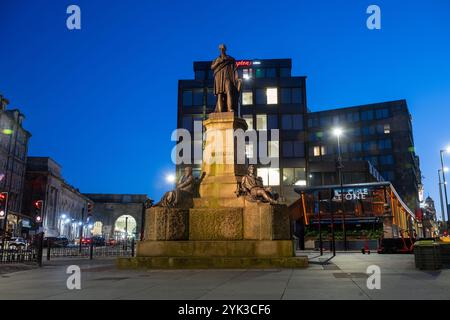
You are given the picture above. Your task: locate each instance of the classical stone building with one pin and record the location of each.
(65, 208)
(115, 215)
(13, 152)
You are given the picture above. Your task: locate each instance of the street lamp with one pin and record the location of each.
(440, 195)
(170, 178)
(337, 132)
(443, 181)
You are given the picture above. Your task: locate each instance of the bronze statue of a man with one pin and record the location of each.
(182, 195)
(253, 187)
(226, 81)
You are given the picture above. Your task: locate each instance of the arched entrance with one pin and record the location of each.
(97, 230)
(125, 227)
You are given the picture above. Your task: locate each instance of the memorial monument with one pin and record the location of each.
(225, 219)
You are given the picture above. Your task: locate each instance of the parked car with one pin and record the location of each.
(86, 241)
(56, 242)
(99, 241)
(62, 241)
(17, 243)
(96, 241)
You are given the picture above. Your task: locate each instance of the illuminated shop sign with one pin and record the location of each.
(351, 194)
(244, 63)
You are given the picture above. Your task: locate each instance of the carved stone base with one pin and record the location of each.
(263, 221)
(166, 224)
(218, 248)
(216, 224)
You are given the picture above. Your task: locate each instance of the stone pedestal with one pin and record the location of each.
(263, 221)
(166, 224)
(216, 224)
(220, 156)
(216, 248)
(221, 230)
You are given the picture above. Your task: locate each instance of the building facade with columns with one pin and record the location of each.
(13, 154)
(64, 209)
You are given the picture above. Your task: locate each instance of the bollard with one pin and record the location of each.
(40, 247)
(49, 245)
(132, 247)
(91, 250)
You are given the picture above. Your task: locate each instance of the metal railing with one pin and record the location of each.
(11, 256)
(122, 249)
(34, 251)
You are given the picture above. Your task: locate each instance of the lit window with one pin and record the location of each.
(270, 176)
(261, 122)
(247, 74)
(316, 151)
(249, 119)
(387, 128)
(319, 151)
(288, 176)
(294, 176)
(247, 98)
(273, 149)
(249, 150)
(300, 183)
(272, 95)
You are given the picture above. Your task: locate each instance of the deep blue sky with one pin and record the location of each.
(102, 101)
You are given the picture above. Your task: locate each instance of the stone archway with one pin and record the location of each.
(125, 224)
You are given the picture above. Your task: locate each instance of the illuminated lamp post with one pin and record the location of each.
(445, 184)
(338, 133)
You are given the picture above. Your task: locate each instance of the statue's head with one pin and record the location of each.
(222, 48)
(188, 171)
(251, 169)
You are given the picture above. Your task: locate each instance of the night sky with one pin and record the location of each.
(102, 101)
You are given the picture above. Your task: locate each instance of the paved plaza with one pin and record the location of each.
(344, 278)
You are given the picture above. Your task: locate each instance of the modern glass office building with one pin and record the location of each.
(376, 143)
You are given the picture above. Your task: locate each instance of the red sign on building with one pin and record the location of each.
(243, 63)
